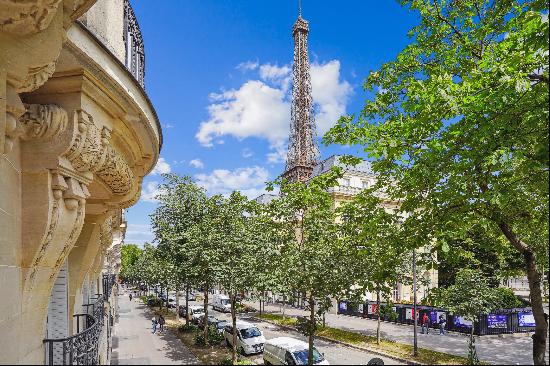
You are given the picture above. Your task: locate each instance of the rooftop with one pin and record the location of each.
(324, 166)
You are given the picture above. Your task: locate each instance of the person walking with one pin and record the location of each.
(154, 323)
(442, 322)
(425, 323)
(130, 296)
(162, 321)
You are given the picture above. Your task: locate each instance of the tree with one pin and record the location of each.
(178, 210)
(469, 297)
(372, 233)
(460, 122)
(205, 246)
(313, 256)
(129, 254)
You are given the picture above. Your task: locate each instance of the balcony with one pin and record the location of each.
(81, 348)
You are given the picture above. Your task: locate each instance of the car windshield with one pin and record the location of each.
(301, 356)
(250, 333)
(224, 301)
(221, 324)
(198, 311)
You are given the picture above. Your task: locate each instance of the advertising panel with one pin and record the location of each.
(497, 321)
(343, 306)
(461, 322)
(360, 308)
(526, 319)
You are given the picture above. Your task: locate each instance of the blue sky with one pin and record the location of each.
(218, 74)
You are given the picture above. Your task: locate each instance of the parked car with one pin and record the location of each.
(212, 320)
(221, 303)
(171, 301)
(196, 312)
(290, 351)
(249, 338)
(192, 297)
(220, 325)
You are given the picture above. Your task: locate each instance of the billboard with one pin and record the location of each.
(497, 321)
(343, 306)
(462, 322)
(526, 319)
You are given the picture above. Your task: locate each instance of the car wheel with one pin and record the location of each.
(242, 352)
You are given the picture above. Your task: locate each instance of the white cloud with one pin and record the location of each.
(255, 109)
(261, 108)
(247, 153)
(250, 181)
(329, 93)
(278, 154)
(150, 191)
(247, 66)
(162, 167)
(167, 125)
(197, 163)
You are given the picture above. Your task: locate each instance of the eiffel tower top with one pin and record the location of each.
(303, 151)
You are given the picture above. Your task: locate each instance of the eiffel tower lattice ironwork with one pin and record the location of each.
(303, 151)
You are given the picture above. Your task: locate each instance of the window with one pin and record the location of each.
(345, 182)
(365, 184)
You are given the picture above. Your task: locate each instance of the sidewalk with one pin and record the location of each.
(134, 344)
(510, 350)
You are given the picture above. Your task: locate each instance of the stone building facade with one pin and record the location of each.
(77, 135)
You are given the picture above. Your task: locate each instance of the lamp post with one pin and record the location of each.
(415, 344)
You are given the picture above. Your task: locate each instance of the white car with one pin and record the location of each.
(196, 312)
(249, 338)
(290, 351)
(221, 303)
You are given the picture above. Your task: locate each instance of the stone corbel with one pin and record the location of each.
(91, 151)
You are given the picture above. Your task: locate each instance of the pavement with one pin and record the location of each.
(134, 343)
(516, 350)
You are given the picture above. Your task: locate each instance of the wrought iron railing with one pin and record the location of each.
(108, 283)
(133, 41)
(82, 348)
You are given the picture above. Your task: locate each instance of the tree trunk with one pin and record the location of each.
(534, 279)
(284, 303)
(260, 306)
(311, 330)
(177, 306)
(205, 319)
(234, 325)
(378, 317)
(186, 305)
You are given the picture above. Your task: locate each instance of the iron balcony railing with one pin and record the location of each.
(108, 283)
(133, 41)
(81, 348)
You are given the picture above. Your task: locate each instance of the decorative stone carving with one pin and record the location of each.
(26, 16)
(36, 77)
(91, 151)
(43, 121)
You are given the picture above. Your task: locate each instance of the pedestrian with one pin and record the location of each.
(130, 296)
(442, 322)
(425, 323)
(154, 323)
(162, 321)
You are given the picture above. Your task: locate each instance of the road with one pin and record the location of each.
(335, 353)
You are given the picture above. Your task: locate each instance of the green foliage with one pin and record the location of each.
(506, 299)
(458, 123)
(187, 328)
(130, 254)
(214, 338)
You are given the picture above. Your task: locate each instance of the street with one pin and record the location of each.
(335, 353)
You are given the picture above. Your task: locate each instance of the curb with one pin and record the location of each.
(376, 352)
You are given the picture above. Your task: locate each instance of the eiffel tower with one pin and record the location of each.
(303, 151)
